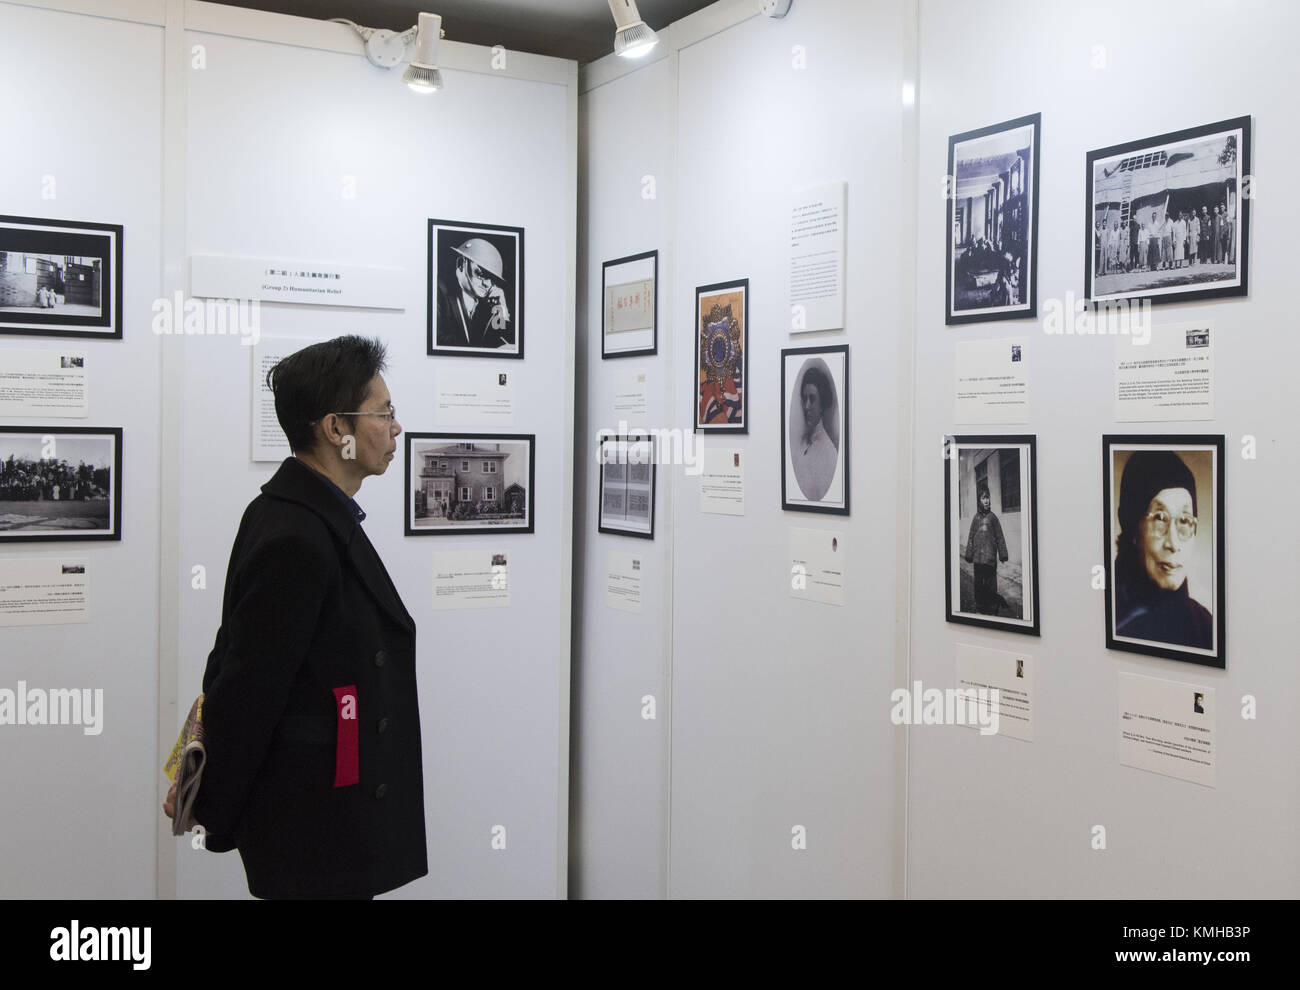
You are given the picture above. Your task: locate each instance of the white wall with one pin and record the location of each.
(770, 717)
(243, 151)
(78, 815)
(994, 817)
(620, 784)
(779, 710)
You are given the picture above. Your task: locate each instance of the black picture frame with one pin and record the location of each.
(1155, 609)
(18, 514)
(448, 449)
(1013, 236)
(38, 302)
(606, 521)
(1187, 164)
(791, 386)
(446, 239)
(631, 262)
(1026, 448)
(726, 336)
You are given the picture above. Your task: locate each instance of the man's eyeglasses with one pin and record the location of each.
(389, 414)
(479, 273)
(1184, 526)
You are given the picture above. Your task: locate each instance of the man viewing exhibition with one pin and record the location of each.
(310, 713)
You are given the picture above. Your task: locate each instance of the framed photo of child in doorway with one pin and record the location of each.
(991, 532)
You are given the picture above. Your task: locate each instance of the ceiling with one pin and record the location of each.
(582, 30)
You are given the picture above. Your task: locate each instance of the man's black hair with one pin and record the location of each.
(330, 377)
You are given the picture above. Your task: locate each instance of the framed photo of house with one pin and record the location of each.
(629, 306)
(60, 483)
(721, 357)
(1164, 546)
(815, 429)
(991, 239)
(469, 483)
(990, 500)
(60, 279)
(476, 289)
(627, 486)
(1168, 217)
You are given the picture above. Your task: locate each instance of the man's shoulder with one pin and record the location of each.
(273, 521)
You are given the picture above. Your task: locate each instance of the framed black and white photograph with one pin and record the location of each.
(60, 279)
(990, 499)
(60, 483)
(629, 306)
(1168, 217)
(721, 357)
(1164, 546)
(991, 260)
(469, 483)
(476, 289)
(815, 429)
(627, 486)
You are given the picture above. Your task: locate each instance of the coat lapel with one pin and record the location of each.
(295, 482)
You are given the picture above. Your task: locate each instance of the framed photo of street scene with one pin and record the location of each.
(629, 306)
(991, 253)
(721, 357)
(1168, 217)
(469, 483)
(1164, 546)
(990, 499)
(815, 429)
(60, 279)
(476, 289)
(60, 483)
(627, 486)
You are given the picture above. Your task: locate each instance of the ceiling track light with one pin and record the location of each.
(633, 38)
(386, 49)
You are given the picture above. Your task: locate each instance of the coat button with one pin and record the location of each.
(383, 726)
(381, 790)
(380, 658)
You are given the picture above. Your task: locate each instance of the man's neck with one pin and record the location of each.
(335, 472)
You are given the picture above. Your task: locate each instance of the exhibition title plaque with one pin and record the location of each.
(316, 283)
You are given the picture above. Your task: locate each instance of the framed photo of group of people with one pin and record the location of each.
(1168, 217)
(60, 483)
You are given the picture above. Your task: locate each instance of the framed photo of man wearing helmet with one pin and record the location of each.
(1164, 532)
(476, 289)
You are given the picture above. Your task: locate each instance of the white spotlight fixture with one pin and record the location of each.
(633, 38)
(422, 74)
(385, 49)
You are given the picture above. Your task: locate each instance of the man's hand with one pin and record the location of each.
(500, 312)
(169, 803)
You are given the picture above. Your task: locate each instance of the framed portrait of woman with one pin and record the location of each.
(815, 429)
(1164, 532)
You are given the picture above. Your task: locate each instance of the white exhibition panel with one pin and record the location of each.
(79, 813)
(276, 134)
(994, 817)
(780, 706)
(620, 758)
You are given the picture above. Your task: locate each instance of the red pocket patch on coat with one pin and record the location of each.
(347, 758)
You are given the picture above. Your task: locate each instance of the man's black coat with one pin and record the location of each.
(311, 620)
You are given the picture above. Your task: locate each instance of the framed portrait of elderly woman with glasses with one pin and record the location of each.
(1164, 545)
